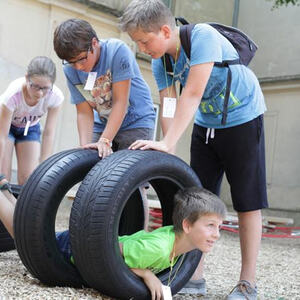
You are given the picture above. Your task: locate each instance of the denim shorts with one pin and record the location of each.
(63, 243)
(125, 138)
(16, 134)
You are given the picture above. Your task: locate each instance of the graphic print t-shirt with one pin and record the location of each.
(116, 63)
(13, 99)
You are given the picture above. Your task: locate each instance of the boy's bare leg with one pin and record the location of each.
(7, 213)
(250, 231)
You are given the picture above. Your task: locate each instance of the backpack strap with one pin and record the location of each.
(185, 38)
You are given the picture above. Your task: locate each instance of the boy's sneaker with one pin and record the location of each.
(194, 287)
(243, 291)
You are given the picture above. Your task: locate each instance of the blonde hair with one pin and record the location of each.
(148, 15)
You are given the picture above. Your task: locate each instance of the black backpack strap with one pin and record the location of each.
(226, 64)
(226, 97)
(182, 20)
(185, 38)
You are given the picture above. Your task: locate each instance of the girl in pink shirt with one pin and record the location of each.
(22, 105)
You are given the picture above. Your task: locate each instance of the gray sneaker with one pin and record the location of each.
(243, 291)
(194, 287)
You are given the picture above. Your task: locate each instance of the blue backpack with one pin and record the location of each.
(244, 46)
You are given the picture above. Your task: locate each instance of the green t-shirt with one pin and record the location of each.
(149, 250)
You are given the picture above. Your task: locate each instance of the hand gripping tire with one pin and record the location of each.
(96, 213)
(35, 213)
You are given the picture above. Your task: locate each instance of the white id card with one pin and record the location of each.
(167, 292)
(26, 128)
(169, 107)
(90, 81)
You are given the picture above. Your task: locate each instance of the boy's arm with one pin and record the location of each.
(186, 108)
(149, 278)
(119, 108)
(85, 122)
(49, 132)
(151, 281)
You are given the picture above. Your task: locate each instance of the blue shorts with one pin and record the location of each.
(239, 152)
(16, 134)
(63, 243)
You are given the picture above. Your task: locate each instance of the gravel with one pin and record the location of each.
(278, 273)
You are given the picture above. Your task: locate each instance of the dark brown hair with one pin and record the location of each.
(72, 37)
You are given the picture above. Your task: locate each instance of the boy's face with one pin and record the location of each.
(151, 43)
(204, 232)
(86, 60)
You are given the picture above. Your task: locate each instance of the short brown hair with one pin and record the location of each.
(72, 37)
(194, 202)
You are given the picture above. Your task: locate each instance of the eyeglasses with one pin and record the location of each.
(37, 88)
(79, 61)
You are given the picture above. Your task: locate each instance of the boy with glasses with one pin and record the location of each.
(113, 102)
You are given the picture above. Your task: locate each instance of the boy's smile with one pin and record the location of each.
(205, 232)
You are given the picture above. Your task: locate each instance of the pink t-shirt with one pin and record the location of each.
(13, 99)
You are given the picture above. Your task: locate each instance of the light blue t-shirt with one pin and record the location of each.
(116, 63)
(246, 100)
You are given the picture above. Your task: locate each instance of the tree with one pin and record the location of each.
(279, 3)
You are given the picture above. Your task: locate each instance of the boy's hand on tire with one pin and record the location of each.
(146, 144)
(103, 148)
(152, 282)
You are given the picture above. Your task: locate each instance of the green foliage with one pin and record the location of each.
(279, 3)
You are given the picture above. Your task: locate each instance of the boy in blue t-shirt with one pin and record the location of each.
(113, 102)
(236, 148)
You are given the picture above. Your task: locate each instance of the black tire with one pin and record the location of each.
(97, 210)
(16, 189)
(35, 213)
(7, 243)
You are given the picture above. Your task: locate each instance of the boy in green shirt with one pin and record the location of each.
(197, 217)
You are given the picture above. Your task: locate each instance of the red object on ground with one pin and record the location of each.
(271, 231)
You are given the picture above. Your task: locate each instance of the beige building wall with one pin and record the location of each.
(26, 30)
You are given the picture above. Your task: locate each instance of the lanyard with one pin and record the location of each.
(174, 69)
(171, 267)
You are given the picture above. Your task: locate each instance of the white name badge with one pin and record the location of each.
(169, 107)
(167, 292)
(90, 81)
